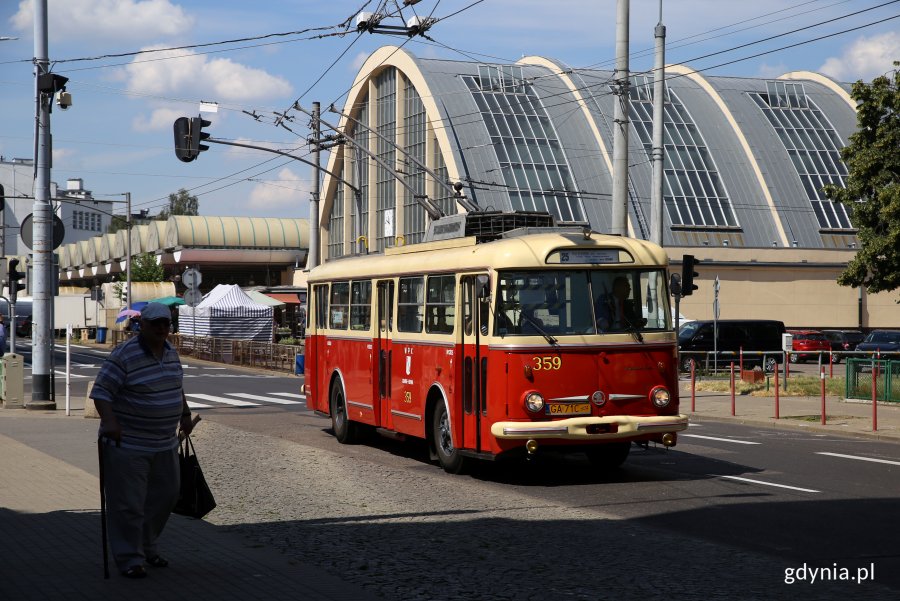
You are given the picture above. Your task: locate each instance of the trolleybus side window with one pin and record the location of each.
(440, 304)
(410, 301)
(361, 305)
(340, 306)
(321, 297)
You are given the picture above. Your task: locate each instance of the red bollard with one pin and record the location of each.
(693, 386)
(875, 398)
(732, 388)
(777, 408)
(822, 378)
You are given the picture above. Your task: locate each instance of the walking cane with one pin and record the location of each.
(103, 510)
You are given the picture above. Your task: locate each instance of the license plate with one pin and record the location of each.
(568, 409)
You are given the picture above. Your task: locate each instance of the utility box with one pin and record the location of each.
(787, 342)
(12, 382)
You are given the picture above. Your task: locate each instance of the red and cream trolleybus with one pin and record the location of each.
(535, 340)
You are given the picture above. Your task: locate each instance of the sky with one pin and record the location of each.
(117, 135)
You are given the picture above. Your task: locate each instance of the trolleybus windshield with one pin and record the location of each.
(581, 301)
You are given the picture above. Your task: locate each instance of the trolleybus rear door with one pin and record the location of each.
(384, 352)
(474, 363)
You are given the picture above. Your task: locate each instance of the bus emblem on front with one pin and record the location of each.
(408, 364)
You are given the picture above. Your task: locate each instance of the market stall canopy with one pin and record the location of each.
(264, 299)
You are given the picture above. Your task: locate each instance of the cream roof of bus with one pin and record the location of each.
(465, 254)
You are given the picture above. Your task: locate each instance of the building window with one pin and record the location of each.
(336, 220)
(534, 166)
(813, 145)
(385, 184)
(360, 165)
(414, 132)
(693, 192)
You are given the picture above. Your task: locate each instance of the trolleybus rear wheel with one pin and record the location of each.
(448, 456)
(344, 430)
(609, 456)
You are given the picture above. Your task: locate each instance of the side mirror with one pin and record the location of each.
(483, 288)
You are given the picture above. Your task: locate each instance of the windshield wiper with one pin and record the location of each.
(540, 330)
(632, 329)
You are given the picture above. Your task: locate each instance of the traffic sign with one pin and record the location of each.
(191, 277)
(193, 297)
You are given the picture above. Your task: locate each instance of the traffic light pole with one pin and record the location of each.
(43, 215)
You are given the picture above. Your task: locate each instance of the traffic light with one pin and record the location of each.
(14, 276)
(183, 139)
(688, 264)
(197, 136)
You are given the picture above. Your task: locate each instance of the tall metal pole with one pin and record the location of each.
(312, 259)
(619, 224)
(658, 154)
(128, 251)
(43, 243)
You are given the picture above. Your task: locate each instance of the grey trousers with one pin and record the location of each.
(141, 490)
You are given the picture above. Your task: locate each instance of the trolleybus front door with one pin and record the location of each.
(474, 362)
(384, 352)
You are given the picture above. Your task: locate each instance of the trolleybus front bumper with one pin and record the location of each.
(592, 428)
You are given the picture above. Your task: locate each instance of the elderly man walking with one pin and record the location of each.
(139, 396)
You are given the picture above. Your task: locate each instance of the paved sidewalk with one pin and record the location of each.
(50, 527)
(50, 524)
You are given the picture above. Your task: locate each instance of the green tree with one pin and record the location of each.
(181, 203)
(115, 224)
(144, 268)
(872, 191)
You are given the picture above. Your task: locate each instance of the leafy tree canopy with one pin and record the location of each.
(872, 191)
(144, 268)
(181, 203)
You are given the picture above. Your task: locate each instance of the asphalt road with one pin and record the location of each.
(804, 499)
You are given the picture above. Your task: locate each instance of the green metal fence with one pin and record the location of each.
(859, 379)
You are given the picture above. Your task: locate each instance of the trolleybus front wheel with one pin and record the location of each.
(344, 430)
(448, 456)
(609, 456)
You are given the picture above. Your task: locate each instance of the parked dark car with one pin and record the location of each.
(808, 344)
(843, 341)
(23, 316)
(881, 340)
(696, 338)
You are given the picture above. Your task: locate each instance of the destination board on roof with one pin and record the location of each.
(588, 256)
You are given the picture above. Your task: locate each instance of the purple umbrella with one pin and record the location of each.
(125, 314)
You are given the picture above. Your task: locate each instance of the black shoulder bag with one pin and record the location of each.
(195, 499)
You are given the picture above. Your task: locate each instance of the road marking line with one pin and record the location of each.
(770, 484)
(219, 399)
(292, 395)
(195, 405)
(259, 397)
(734, 440)
(873, 460)
(71, 375)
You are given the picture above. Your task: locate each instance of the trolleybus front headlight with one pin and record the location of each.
(534, 402)
(660, 397)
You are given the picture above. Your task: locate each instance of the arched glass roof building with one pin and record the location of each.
(745, 158)
(745, 163)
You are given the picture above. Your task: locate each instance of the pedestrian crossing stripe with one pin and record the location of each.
(219, 399)
(259, 397)
(237, 402)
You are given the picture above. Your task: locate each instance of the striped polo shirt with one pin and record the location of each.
(145, 394)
